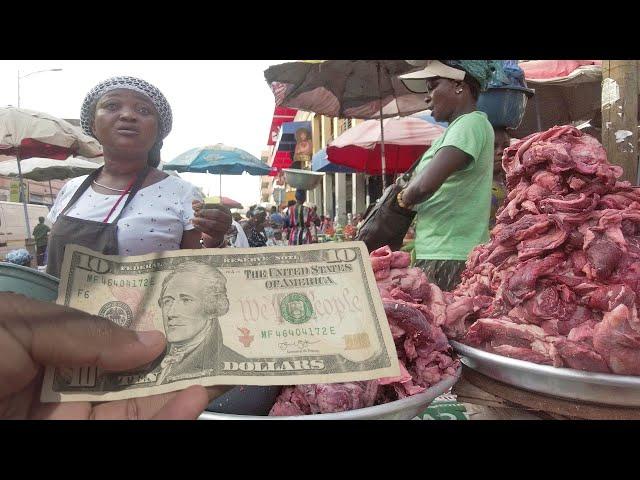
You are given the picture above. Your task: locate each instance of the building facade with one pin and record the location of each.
(339, 194)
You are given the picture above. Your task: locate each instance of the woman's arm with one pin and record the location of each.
(447, 161)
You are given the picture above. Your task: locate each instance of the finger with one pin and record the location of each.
(215, 214)
(211, 227)
(173, 405)
(56, 335)
(145, 408)
(185, 405)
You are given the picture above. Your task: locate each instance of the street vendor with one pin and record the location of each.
(129, 206)
(299, 220)
(41, 236)
(501, 141)
(451, 187)
(254, 227)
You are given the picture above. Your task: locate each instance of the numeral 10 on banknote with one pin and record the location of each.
(339, 255)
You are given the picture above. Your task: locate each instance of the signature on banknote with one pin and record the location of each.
(297, 346)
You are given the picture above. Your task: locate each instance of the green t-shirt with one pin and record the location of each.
(455, 218)
(40, 234)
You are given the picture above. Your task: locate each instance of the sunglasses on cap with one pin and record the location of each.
(417, 82)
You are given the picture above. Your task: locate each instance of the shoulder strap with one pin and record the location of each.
(92, 176)
(81, 189)
(407, 175)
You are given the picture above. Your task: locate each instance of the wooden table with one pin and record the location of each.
(506, 402)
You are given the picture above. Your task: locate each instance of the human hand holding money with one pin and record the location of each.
(273, 316)
(36, 334)
(213, 220)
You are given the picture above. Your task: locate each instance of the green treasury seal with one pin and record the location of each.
(296, 308)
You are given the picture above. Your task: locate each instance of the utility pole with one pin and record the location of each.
(620, 115)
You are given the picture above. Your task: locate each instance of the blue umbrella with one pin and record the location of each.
(219, 159)
(320, 163)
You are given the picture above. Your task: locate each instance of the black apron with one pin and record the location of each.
(100, 237)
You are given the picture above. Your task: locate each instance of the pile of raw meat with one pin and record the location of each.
(559, 282)
(423, 350)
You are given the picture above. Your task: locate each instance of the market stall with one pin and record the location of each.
(549, 304)
(566, 91)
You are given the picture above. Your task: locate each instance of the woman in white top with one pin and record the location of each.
(128, 206)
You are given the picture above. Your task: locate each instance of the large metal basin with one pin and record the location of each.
(404, 409)
(303, 179)
(28, 282)
(567, 383)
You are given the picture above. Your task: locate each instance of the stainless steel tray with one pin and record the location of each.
(601, 388)
(404, 409)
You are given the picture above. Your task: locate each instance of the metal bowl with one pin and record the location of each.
(28, 282)
(303, 179)
(404, 409)
(245, 400)
(601, 388)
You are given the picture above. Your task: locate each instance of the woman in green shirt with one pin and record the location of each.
(451, 187)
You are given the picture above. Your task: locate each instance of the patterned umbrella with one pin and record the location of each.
(46, 169)
(219, 159)
(406, 139)
(320, 163)
(43, 169)
(346, 89)
(27, 133)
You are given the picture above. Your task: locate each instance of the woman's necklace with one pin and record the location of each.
(109, 188)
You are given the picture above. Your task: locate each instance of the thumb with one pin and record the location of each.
(55, 335)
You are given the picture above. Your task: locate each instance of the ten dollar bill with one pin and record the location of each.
(268, 316)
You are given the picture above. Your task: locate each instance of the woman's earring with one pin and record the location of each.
(459, 90)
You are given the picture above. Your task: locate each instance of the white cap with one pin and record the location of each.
(415, 81)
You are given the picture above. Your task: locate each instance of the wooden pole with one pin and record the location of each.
(620, 115)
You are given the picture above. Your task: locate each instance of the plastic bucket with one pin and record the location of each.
(505, 106)
(28, 282)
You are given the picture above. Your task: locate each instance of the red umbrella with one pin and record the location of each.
(405, 139)
(26, 134)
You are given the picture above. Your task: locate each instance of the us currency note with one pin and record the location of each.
(268, 316)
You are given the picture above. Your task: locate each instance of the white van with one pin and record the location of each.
(13, 230)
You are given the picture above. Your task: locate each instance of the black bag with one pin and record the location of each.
(385, 222)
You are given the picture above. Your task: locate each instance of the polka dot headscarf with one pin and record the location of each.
(129, 83)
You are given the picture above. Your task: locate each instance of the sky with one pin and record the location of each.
(212, 101)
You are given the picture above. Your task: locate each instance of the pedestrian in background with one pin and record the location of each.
(254, 227)
(41, 236)
(299, 220)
